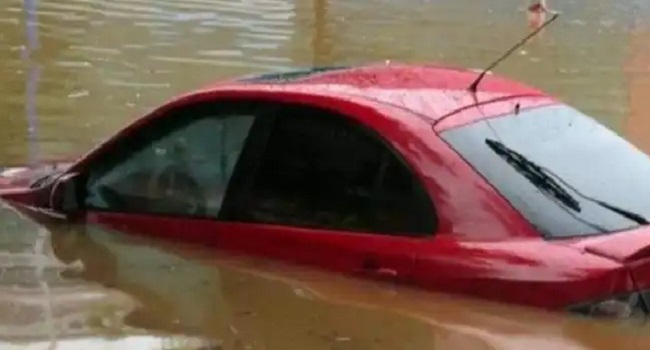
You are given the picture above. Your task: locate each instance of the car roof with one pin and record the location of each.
(430, 91)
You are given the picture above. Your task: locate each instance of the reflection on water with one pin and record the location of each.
(33, 77)
(40, 308)
(74, 71)
(76, 285)
(637, 126)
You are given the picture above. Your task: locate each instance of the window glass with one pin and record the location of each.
(290, 75)
(584, 160)
(321, 170)
(180, 169)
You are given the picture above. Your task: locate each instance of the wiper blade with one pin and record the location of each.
(535, 174)
(539, 176)
(638, 218)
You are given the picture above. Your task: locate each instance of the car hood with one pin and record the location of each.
(22, 176)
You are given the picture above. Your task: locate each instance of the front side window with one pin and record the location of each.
(567, 174)
(179, 165)
(321, 170)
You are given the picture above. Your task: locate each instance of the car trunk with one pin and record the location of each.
(630, 248)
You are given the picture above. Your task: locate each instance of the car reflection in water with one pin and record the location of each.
(245, 303)
(42, 309)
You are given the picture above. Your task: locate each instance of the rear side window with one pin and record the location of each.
(582, 159)
(320, 170)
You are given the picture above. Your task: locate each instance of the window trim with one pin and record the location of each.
(173, 119)
(252, 158)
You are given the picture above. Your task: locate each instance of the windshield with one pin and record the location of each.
(585, 159)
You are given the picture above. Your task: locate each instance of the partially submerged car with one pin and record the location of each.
(392, 171)
(249, 302)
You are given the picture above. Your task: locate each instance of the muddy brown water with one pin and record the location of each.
(74, 71)
(61, 284)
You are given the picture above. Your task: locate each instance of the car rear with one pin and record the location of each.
(631, 249)
(577, 182)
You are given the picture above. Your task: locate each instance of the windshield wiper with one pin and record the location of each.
(535, 174)
(540, 178)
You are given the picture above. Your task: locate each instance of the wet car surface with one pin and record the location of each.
(76, 71)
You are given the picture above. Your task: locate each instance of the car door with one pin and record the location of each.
(290, 182)
(321, 189)
(168, 177)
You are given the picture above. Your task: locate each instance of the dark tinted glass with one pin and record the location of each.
(179, 165)
(587, 156)
(319, 170)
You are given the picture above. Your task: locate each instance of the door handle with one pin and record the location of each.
(385, 273)
(372, 268)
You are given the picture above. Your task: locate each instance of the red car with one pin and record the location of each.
(391, 171)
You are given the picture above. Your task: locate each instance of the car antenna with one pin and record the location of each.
(474, 87)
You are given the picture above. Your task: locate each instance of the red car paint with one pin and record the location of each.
(483, 246)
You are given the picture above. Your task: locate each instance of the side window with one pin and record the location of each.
(180, 165)
(322, 170)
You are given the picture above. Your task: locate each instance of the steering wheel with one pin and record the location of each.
(174, 190)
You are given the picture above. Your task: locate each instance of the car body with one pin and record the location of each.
(391, 171)
(118, 288)
(204, 292)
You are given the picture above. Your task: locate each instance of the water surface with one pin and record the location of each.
(63, 284)
(75, 71)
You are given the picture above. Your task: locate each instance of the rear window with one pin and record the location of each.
(290, 75)
(591, 170)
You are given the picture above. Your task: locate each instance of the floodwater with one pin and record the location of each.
(75, 71)
(63, 285)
